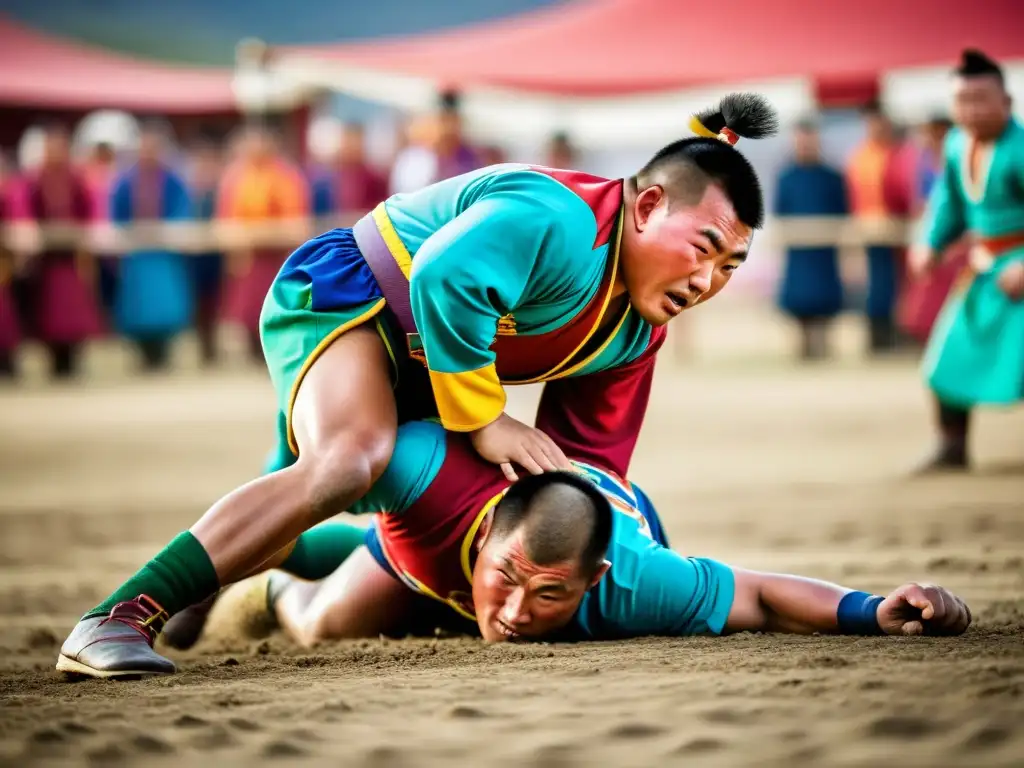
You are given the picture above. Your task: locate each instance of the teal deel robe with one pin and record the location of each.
(975, 355)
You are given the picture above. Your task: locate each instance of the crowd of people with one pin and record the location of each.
(69, 294)
(65, 291)
(888, 177)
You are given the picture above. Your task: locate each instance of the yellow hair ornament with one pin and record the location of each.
(698, 127)
(726, 135)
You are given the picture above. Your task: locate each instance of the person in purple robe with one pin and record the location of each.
(10, 328)
(64, 311)
(351, 184)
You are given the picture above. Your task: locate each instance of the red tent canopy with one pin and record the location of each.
(40, 71)
(616, 47)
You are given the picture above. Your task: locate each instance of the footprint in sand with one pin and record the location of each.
(700, 746)
(987, 737)
(190, 721)
(241, 724)
(151, 745)
(636, 731)
(336, 706)
(283, 749)
(110, 754)
(47, 741)
(463, 712)
(729, 716)
(76, 729)
(900, 727)
(1012, 690)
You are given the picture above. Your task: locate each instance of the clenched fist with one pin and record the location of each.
(506, 441)
(923, 609)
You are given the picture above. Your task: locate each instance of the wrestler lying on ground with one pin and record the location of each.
(555, 556)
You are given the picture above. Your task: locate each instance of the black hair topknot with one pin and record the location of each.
(974, 63)
(748, 115)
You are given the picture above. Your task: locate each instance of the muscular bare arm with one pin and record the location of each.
(771, 602)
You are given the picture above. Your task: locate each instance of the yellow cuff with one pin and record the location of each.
(469, 400)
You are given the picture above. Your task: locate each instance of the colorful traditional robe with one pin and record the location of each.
(976, 352)
(811, 284)
(154, 292)
(264, 192)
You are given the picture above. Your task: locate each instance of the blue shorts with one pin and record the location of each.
(372, 542)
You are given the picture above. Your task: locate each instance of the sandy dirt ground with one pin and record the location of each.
(749, 459)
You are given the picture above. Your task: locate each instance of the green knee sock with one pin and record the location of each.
(180, 576)
(319, 551)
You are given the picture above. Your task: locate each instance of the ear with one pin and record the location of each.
(601, 571)
(485, 531)
(645, 204)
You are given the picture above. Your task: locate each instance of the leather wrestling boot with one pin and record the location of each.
(117, 645)
(184, 628)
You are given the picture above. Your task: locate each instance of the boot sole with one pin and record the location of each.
(72, 667)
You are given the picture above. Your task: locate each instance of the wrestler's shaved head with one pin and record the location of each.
(561, 517)
(545, 548)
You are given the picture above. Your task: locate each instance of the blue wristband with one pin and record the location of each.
(858, 614)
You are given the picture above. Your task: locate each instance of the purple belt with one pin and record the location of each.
(393, 284)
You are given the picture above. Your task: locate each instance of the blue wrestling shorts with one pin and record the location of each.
(372, 542)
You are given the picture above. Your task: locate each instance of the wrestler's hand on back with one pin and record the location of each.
(507, 441)
(923, 609)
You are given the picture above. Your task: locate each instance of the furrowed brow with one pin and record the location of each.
(715, 237)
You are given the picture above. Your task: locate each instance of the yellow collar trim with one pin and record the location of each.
(467, 542)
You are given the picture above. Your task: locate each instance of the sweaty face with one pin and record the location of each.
(517, 599)
(981, 106)
(674, 257)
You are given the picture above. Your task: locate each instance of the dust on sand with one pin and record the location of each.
(758, 465)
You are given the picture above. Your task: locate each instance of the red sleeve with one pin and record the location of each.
(597, 418)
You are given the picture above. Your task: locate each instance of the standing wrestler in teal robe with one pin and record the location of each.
(976, 352)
